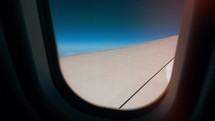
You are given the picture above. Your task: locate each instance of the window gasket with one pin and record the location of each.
(48, 35)
(63, 88)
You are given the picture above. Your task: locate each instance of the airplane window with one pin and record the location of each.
(117, 54)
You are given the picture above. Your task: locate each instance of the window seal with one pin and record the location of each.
(64, 89)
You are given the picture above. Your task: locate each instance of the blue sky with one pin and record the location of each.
(83, 26)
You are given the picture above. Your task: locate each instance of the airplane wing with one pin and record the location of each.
(123, 78)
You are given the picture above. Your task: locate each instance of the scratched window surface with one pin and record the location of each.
(117, 53)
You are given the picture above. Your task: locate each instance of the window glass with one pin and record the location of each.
(117, 53)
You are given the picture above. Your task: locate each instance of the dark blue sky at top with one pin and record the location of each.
(83, 26)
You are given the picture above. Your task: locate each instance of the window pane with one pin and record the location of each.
(117, 54)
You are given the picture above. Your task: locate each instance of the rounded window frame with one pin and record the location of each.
(164, 103)
(64, 89)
